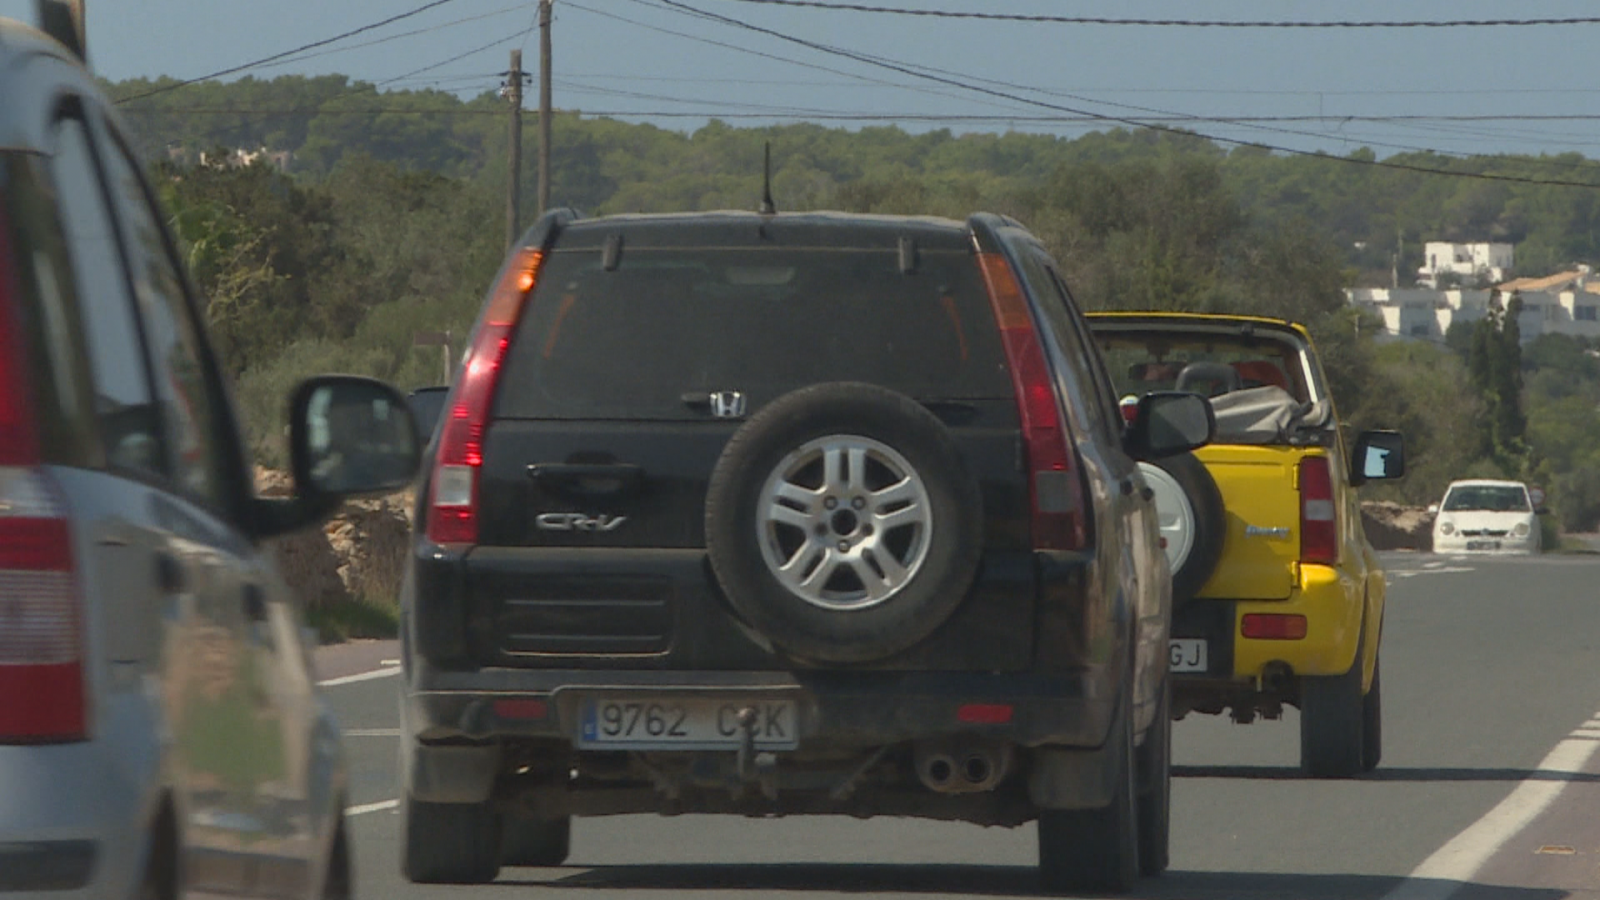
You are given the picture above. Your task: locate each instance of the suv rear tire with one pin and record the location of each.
(450, 843)
(862, 480)
(1097, 849)
(531, 841)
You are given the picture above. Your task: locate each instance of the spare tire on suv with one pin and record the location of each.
(1191, 517)
(842, 524)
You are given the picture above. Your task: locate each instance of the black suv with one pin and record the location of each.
(787, 514)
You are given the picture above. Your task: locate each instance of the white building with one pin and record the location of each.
(1470, 263)
(1566, 303)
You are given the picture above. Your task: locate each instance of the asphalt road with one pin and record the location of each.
(1488, 789)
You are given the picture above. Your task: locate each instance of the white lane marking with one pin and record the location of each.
(1433, 565)
(1453, 865)
(371, 732)
(1445, 570)
(1586, 733)
(362, 676)
(365, 808)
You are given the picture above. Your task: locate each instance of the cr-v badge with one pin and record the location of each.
(727, 404)
(579, 522)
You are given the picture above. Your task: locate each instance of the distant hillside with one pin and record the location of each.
(1370, 212)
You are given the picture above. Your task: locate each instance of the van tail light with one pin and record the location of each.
(1056, 487)
(41, 629)
(1319, 531)
(42, 696)
(453, 500)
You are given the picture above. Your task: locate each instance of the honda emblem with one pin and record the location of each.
(727, 404)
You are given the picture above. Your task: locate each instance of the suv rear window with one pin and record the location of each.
(652, 337)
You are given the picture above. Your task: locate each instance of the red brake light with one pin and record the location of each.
(1319, 531)
(453, 504)
(1057, 493)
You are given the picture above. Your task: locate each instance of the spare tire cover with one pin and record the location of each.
(1192, 520)
(842, 524)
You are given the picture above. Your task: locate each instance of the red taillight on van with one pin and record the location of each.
(41, 630)
(1056, 488)
(1319, 528)
(453, 499)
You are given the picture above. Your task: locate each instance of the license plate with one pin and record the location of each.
(644, 723)
(1483, 545)
(1187, 655)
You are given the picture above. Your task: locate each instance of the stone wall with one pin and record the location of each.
(360, 552)
(1391, 526)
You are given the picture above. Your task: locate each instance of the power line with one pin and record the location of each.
(1185, 23)
(459, 56)
(972, 82)
(756, 112)
(854, 77)
(359, 89)
(1130, 122)
(277, 56)
(797, 112)
(1306, 92)
(1148, 114)
(395, 37)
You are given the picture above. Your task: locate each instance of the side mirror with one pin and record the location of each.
(350, 436)
(1169, 422)
(1379, 455)
(1433, 509)
(426, 404)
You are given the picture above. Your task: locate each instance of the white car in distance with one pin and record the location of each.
(1486, 516)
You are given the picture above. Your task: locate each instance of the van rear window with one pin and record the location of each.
(652, 337)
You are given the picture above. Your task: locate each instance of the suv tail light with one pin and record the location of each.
(1319, 532)
(1055, 487)
(41, 632)
(453, 500)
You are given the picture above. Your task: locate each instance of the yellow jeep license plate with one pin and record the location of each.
(1187, 655)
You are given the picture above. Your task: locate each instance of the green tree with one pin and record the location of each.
(1495, 363)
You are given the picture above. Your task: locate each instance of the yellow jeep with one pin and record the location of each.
(1278, 597)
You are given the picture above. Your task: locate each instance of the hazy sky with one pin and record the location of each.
(642, 60)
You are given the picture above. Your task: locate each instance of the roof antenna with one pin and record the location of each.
(768, 208)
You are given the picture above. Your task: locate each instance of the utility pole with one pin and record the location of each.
(544, 105)
(513, 91)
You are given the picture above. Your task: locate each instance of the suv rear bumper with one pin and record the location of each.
(846, 709)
